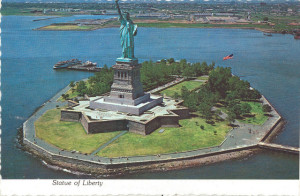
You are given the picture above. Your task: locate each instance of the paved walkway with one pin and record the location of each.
(178, 80)
(221, 115)
(237, 138)
(107, 143)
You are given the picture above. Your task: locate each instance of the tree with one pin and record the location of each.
(231, 96)
(231, 117)
(218, 80)
(176, 95)
(191, 101)
(81, 88)
(197, 69)
(205, 110)
(204, 68)
(184, 92)
(266, 18)
(171, 60)
(105, 68)
(212, 66)
(254, 94)
(236, 109)
(72, 84)
(245, 108)
(188, 72)
(267, 108)
(162, 61)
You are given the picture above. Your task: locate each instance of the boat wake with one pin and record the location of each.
(63, 169)
(20, 118)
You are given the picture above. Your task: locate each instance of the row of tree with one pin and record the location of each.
(152, 75)
(98, 84)
(222, 87)
(156, 74)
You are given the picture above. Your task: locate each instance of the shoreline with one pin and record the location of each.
(263, 30)
(82, 169)
(90, 165)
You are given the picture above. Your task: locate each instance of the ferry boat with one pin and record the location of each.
(68, 63)
(89, 64)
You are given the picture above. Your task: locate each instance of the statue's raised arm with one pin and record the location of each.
(127, 31)
(118, 8)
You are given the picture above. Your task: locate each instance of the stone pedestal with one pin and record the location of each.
(127, 87)
(127, 94)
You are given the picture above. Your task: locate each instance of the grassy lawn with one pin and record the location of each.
(67, 27)
(258, 115)
(202, 78)
(188, 137)
(281, 22)
(69, 135)
(73, 93)
(200, 25)
(190, 85)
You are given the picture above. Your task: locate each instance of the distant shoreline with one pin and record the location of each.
(59, 27)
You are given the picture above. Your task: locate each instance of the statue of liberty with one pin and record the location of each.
(127, 31)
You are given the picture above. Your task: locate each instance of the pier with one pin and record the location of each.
(278, 147)
(83, 68)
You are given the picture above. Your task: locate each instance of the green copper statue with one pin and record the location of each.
(127, 31)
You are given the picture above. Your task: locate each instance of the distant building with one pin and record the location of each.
(200, 16)
(224, 14)
(263, 4)
(152, 15)
(221, 19)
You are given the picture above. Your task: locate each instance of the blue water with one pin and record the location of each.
(270, 64)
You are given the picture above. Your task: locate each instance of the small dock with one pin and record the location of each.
(278, 147)
(82, 68)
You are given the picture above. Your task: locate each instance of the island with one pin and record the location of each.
(152, 116)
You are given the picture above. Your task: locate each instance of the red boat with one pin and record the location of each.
(296, 33)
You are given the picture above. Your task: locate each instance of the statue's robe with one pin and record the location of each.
(127, 31)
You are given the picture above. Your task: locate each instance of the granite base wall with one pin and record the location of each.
(85, 123)
(69, 115)
(169, 121)
(183, 113)
(137, 127)
(145, 128)
(140, 127)
(107, 126)
(152, 125)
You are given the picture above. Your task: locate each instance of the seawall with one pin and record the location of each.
(118, 166)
